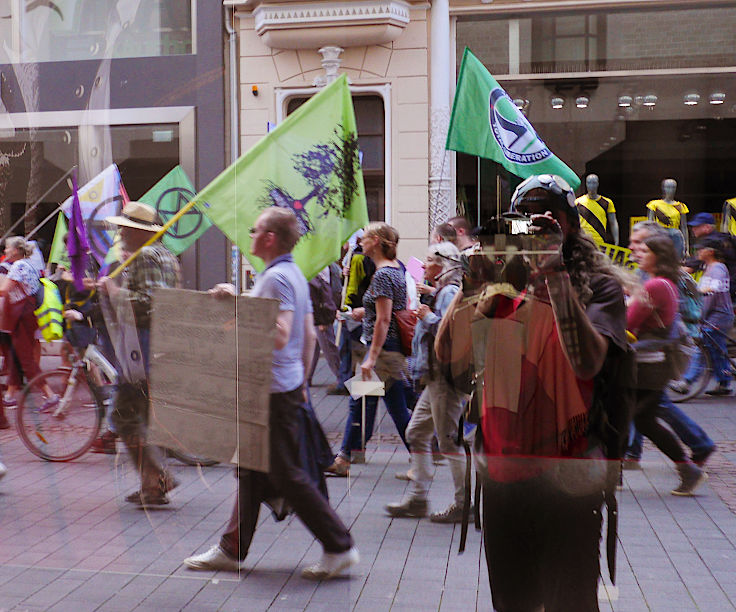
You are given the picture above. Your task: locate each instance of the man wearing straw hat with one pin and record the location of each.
(155, 266)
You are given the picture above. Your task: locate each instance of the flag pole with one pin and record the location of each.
(36, 205)
(154, 238)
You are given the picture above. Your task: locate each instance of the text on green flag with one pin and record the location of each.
(485, 122)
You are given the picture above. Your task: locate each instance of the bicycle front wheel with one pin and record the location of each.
(695, 388)
(57, 416)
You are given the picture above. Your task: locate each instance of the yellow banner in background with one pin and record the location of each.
(619, 255)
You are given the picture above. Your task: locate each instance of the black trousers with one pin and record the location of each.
(542, 547)
(646, 419)
(289, 479)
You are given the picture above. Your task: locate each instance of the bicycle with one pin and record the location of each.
(679, 393)
(63, 426)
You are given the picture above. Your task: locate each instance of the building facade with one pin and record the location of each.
(90, 82)
(633, 90)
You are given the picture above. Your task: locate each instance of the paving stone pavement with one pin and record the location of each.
(68, 541)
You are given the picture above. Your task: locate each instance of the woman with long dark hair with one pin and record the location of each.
(650, 317)
(552, 338)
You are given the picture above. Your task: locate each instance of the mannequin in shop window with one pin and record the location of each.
(671, 214)
(728, 219)
(597, 214)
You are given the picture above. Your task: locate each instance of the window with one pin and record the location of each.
(71, 30)
(569, 43)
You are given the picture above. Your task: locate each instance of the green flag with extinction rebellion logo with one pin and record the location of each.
(485, 122)
(169, 195)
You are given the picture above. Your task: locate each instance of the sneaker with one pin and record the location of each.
(3, 470)
(410, 507)
(148, 499)
(340, 467)
(631, 463)
(335, 390)
(719, 390)
(452, 514)
(408, 475)
(700, 458)
(105, 444)
(691, 477)
(213, 560)
(680, 386)
(331, 564)
(357, 457)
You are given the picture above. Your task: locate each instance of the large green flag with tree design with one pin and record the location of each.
(308, 164)
(485, 122)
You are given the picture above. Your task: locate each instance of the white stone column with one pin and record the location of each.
(441, 198)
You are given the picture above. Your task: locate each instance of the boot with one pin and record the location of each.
(105, 444)
(691, 477)
(410, 507)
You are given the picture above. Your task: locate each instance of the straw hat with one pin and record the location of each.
(139, 216)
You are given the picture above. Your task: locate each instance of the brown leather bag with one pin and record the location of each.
(406, 321)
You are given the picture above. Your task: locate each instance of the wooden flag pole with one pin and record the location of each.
(153, 238)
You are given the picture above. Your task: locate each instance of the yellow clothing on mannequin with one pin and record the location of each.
(594, 217)
(729, 217)
(667, 215)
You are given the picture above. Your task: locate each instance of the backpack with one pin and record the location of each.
(323, 304)
(48, 312)
(690, 304)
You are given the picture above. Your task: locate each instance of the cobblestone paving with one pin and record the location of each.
(69, 543)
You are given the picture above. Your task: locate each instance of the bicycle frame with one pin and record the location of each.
(92, 357)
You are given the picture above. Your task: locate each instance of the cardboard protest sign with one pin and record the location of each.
(211, 375)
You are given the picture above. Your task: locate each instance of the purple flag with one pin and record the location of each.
(77, 245)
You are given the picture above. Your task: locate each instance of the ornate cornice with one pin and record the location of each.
(354, 23)
(313, 14)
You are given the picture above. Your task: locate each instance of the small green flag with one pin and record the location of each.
(167, 196)
(309, 164)
(485, 122)
(58, 254)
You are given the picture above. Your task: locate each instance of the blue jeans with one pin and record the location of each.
(715, 343)
(345, 370)
(691, 434)
(395, 401)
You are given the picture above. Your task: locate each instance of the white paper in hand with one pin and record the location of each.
(359, 387)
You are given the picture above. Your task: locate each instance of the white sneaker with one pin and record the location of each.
(3, 470)
(331, 564)
(214, 559)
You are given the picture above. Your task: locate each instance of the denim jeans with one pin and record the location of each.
(691, 434)
(715, 344)
(395, 401)
(346, 359)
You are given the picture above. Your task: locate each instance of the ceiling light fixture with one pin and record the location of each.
(691, 99)
(717, 97)
(582, 101)
(625, 101)
(557, 102)
(650, 100)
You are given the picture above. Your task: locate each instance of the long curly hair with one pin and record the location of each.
(583, 259)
